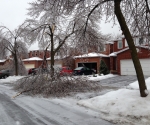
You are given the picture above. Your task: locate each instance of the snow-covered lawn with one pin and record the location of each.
(123, 106)
(100, 77)
(11, 79)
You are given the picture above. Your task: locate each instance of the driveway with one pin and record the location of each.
(115, 83)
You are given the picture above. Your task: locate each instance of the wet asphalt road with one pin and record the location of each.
(12, 114)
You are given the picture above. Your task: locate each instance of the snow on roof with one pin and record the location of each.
(91, 55)
(56, 57)
(3, 60)
(115, 53)
(109, 42)
(142, 46)
(33, 58)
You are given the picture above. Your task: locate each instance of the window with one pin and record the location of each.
(136, 40)
(84, 50)
(98, 48)
(105, 47)
(120, 44)
(140, 41)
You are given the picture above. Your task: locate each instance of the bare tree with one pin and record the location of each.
(133, 17)
(12, 43)
(53, 28)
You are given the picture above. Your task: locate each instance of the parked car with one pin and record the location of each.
(4, 73)
(32, 71)
(83, 71)
(66, 71)
(35, 71)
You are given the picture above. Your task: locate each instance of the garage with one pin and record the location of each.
(127, 67)
(28, 66)
(91, 65)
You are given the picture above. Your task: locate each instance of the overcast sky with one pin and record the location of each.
(14, 12)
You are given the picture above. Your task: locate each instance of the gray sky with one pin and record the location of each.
(13, 13)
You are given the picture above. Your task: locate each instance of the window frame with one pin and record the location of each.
(118, 44)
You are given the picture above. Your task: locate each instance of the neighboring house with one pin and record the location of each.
(35, 59)
(2, 62)
(62, 61)
(58, 61)
(5, 63)
(117, 57)
(120, 57)
(39, 53)
(33, 62)
(91, 60)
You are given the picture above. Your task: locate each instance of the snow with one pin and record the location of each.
(91, 55)
(100, 77)
(3, 60)
(32, 59)
(123, 106)
(113, 54)
(11, 79)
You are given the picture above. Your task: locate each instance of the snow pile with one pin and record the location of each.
(11, 79)
(135, 85)
(124, 106)
(98, 77)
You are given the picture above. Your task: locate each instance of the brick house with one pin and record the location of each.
(35, 58)
(91, 60)
(117, 57)
(120, 57)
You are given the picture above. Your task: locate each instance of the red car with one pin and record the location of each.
(66, 71)
(32, 71)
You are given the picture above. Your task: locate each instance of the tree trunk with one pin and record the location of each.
(52, 56)
(134, 55)
(16, 64)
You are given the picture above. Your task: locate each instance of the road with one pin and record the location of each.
(27, 110)
(12, 114)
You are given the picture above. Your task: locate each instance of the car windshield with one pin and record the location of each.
(79, 68)
(4, 71)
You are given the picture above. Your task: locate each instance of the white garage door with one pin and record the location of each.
(127, 67)
(28, 66)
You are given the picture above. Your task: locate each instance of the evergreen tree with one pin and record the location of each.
(103, 68)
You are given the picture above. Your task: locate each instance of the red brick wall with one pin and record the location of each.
(39, 54)
(115, 47)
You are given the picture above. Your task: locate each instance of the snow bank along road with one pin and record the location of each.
(26, 110)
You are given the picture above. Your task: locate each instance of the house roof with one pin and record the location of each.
(55, 57)
(91, 55)
(109, 42)
(3, 60)
(33, 59)
(115, 53)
